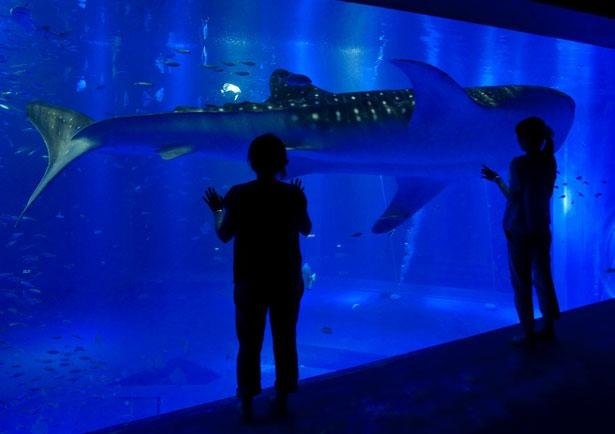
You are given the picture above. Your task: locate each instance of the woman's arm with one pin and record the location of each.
(304, 222)
(222, 221)
(492, 175)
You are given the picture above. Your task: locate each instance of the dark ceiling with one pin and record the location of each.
(587, 21)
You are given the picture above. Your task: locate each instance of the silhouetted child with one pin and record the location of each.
(265, 217)
(527, 226)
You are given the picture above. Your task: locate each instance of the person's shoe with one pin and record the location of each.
(546, 335)
(246, 410)
(279, 405)
(524, 341)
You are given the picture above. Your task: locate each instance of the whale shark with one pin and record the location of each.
(427, 136)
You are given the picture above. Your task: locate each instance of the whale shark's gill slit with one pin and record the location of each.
(57, 126)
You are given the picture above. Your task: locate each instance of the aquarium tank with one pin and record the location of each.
(115, 293)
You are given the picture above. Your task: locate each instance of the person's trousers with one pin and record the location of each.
(250, 320)
(529, 256)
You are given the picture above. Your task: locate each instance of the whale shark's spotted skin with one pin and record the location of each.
(313, 107)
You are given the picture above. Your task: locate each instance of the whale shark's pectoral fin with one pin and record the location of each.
(412, 194)
(173, 151)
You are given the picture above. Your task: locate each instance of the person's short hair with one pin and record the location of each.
(267, 155)
(533, 130)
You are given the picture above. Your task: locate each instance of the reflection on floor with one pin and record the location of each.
(156, 348)
(481, 384)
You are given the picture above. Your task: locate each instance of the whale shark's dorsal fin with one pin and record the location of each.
(285, 85)
(438, 100)
(431, 83)
(436, 93)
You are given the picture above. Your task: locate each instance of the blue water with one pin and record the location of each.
(115, 294)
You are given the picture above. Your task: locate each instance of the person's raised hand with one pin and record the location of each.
(488, 174)
(213, 200)
(297, 183)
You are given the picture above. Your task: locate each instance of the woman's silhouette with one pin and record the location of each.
(265, 218)
(527, 226)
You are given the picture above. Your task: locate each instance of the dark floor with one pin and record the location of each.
(479, 384)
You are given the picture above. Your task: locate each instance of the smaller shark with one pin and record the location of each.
(428, 136)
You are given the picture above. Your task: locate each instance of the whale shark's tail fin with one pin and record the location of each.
(57, 126)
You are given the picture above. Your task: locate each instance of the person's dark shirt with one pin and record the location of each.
(532, 178)
(265, 219)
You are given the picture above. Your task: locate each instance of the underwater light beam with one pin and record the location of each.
(427, 137)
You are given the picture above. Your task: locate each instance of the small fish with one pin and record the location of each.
(218, 69)
(326, 330)
(143, 83)
(309, 277)
(230, 89)
(81, 85)
(78, 348)
(17, 324)
(210, 66)
(228, 63)
(172, 63)
(610, 270)
(182, 51)
(562, 196)
(597, 194)
(18, 374)
(311, 236)
(249, 63)
(581, 194)
(356, 234)
(74, 371)
(53, 352)
(578, 178)
(242, 73)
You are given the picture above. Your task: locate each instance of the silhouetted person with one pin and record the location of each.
(527, 226)
(265, 217)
